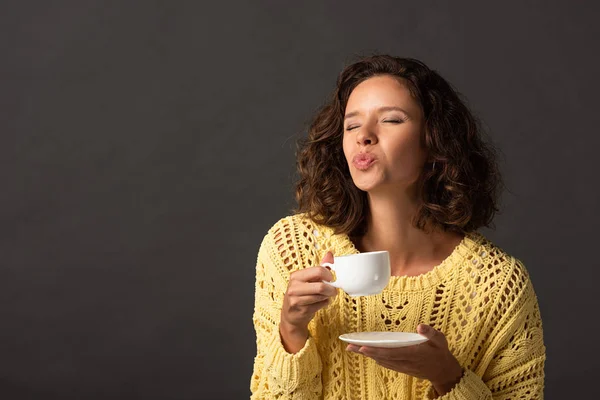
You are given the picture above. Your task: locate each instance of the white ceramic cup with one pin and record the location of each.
(362, 274)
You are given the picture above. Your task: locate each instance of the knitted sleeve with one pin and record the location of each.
(278, 374)
(514, 351)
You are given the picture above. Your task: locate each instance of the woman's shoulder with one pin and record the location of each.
(291, 229)
(300, 222)
(486, 254)
(299, 238)
(495, 271)
(298, 230)
(291, 242)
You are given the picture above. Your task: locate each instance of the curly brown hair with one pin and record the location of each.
(459, 185)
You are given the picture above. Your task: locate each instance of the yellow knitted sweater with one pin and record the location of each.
(479, 297)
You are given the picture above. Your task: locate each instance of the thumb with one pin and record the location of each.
(328, 257)
(430, 333)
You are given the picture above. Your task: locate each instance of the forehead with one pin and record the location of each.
(381, 91)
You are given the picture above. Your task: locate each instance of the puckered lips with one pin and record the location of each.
(363, 161)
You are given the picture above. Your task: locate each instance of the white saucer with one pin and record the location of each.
(383, 339)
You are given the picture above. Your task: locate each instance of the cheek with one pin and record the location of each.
(409, 153)
(407, 162)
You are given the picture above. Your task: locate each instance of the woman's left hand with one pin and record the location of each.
(431, 360)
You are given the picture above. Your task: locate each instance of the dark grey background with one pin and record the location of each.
(146, 147)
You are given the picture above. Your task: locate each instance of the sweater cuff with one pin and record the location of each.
(290, 371)
(470, 387)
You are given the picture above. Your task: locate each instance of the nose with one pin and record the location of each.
(366, 136)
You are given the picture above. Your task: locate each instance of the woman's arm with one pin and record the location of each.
(277, 373)
(516, 354)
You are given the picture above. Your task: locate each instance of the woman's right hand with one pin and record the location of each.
(305, 295)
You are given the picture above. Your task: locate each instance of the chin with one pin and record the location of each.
(373, 185)
(367, 186)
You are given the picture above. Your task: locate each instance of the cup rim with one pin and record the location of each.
(362, 254)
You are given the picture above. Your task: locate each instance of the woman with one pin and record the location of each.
(395, 161)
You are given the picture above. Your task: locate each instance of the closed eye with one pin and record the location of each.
(351, 128)
(393, 121)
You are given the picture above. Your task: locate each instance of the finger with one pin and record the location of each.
(353, 348)
(380, 353)
(308, 300)
(397, 365)
(366, 351)
(312, 274)
(328, 258)
(313, 308)
(436, 337)
(312, 288)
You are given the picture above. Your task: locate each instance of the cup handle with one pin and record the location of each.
(330, 265)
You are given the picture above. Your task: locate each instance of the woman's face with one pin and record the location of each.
(382, 135)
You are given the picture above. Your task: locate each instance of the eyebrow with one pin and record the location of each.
(381, 109)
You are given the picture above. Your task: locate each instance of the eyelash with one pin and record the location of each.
(395, 121)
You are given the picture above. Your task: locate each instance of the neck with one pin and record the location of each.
(390, 227)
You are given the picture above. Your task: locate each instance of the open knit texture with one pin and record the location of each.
(481, 299)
